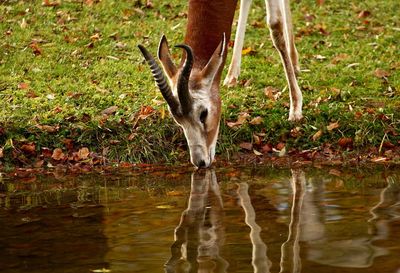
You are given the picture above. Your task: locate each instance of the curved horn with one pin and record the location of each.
(160, 80)
(183, 80)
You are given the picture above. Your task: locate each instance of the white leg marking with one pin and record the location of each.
(234, 67)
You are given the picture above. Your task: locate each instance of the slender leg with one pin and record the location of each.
(277, 19)
(234, 67)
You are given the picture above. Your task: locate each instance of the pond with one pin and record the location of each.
(232, 220)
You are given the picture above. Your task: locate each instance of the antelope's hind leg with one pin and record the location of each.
(279, 21)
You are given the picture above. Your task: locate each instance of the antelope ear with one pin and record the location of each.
(165, 58)
(215, 62)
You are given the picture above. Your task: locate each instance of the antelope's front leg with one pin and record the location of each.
(234, 67)
(278, 17)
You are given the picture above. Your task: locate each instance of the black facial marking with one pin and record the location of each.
(203, 116)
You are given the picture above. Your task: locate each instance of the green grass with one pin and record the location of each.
(89, 61)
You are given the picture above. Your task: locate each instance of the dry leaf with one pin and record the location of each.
(248, 51)
(340, 57)
(58, 154)
(256, 152)
(280, 146)
(83, 153)
(272, 93)
(380, 73)
(241, 120)
(48, 128)
(320, 2)
(256, 139)
(23, 85)
(1, 153)
(110, 110)
(256, 121)
(35, 48)
(29, 148)
(364, 13)
(47, 3)
(267, 148)
(332, 126)
(317, 135)
(345, 142)
(246, 146)
(145, 111)
(23, 23)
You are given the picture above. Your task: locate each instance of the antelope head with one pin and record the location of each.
(192, 96)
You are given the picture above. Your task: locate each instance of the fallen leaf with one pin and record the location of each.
(379, 159)
(272, 93)
(266, 148)
(110, 110)
(317, 135)
(340, 57)
(280, 146)
(145, 111)
(246, 146)
(1, 153)
(23, 85)
(332, 126)
(364, 13)
(58, 154)
(29, 148)
(83, 153)
(380, 73)
(241, 120)
(345, 142)
(35, 48)
(256, 121)
(248, 51)
(256, 139)
(256, 152)
(48, 128)
(320, 2)
(47, 3)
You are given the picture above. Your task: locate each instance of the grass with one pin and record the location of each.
(63, 65)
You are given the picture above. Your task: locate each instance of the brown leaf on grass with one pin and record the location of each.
(149, 4)
(256, 139)
(380, 73)
(332, 126)
(246, 146)
(320, 2)
(280, 146)
(363, 14)
(256, 152)
(266, 148)
(83, 153)
(29, 148)
(110, 110)
(345, 142)
(145, 111)
(295, 132)
(30, 94)
(242, 118)
(48, 128)
(46, 152)
(340, 57)
(35, 48)
(256, 121)
(272, 93)
(58, 154)
(47, 3)
(23, 85)
(317, 135)
(1, 153)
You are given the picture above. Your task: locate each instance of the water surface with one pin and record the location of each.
(233, 220)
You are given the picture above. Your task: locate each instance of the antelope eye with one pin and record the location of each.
(203, 116)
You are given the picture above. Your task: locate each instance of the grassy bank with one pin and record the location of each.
(71, 77)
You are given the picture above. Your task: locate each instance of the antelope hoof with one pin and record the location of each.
(295, 116)
(230, 81)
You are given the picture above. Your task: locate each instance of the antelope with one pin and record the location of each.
(191, 89)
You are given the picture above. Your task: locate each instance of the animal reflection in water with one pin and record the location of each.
(200, 233)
